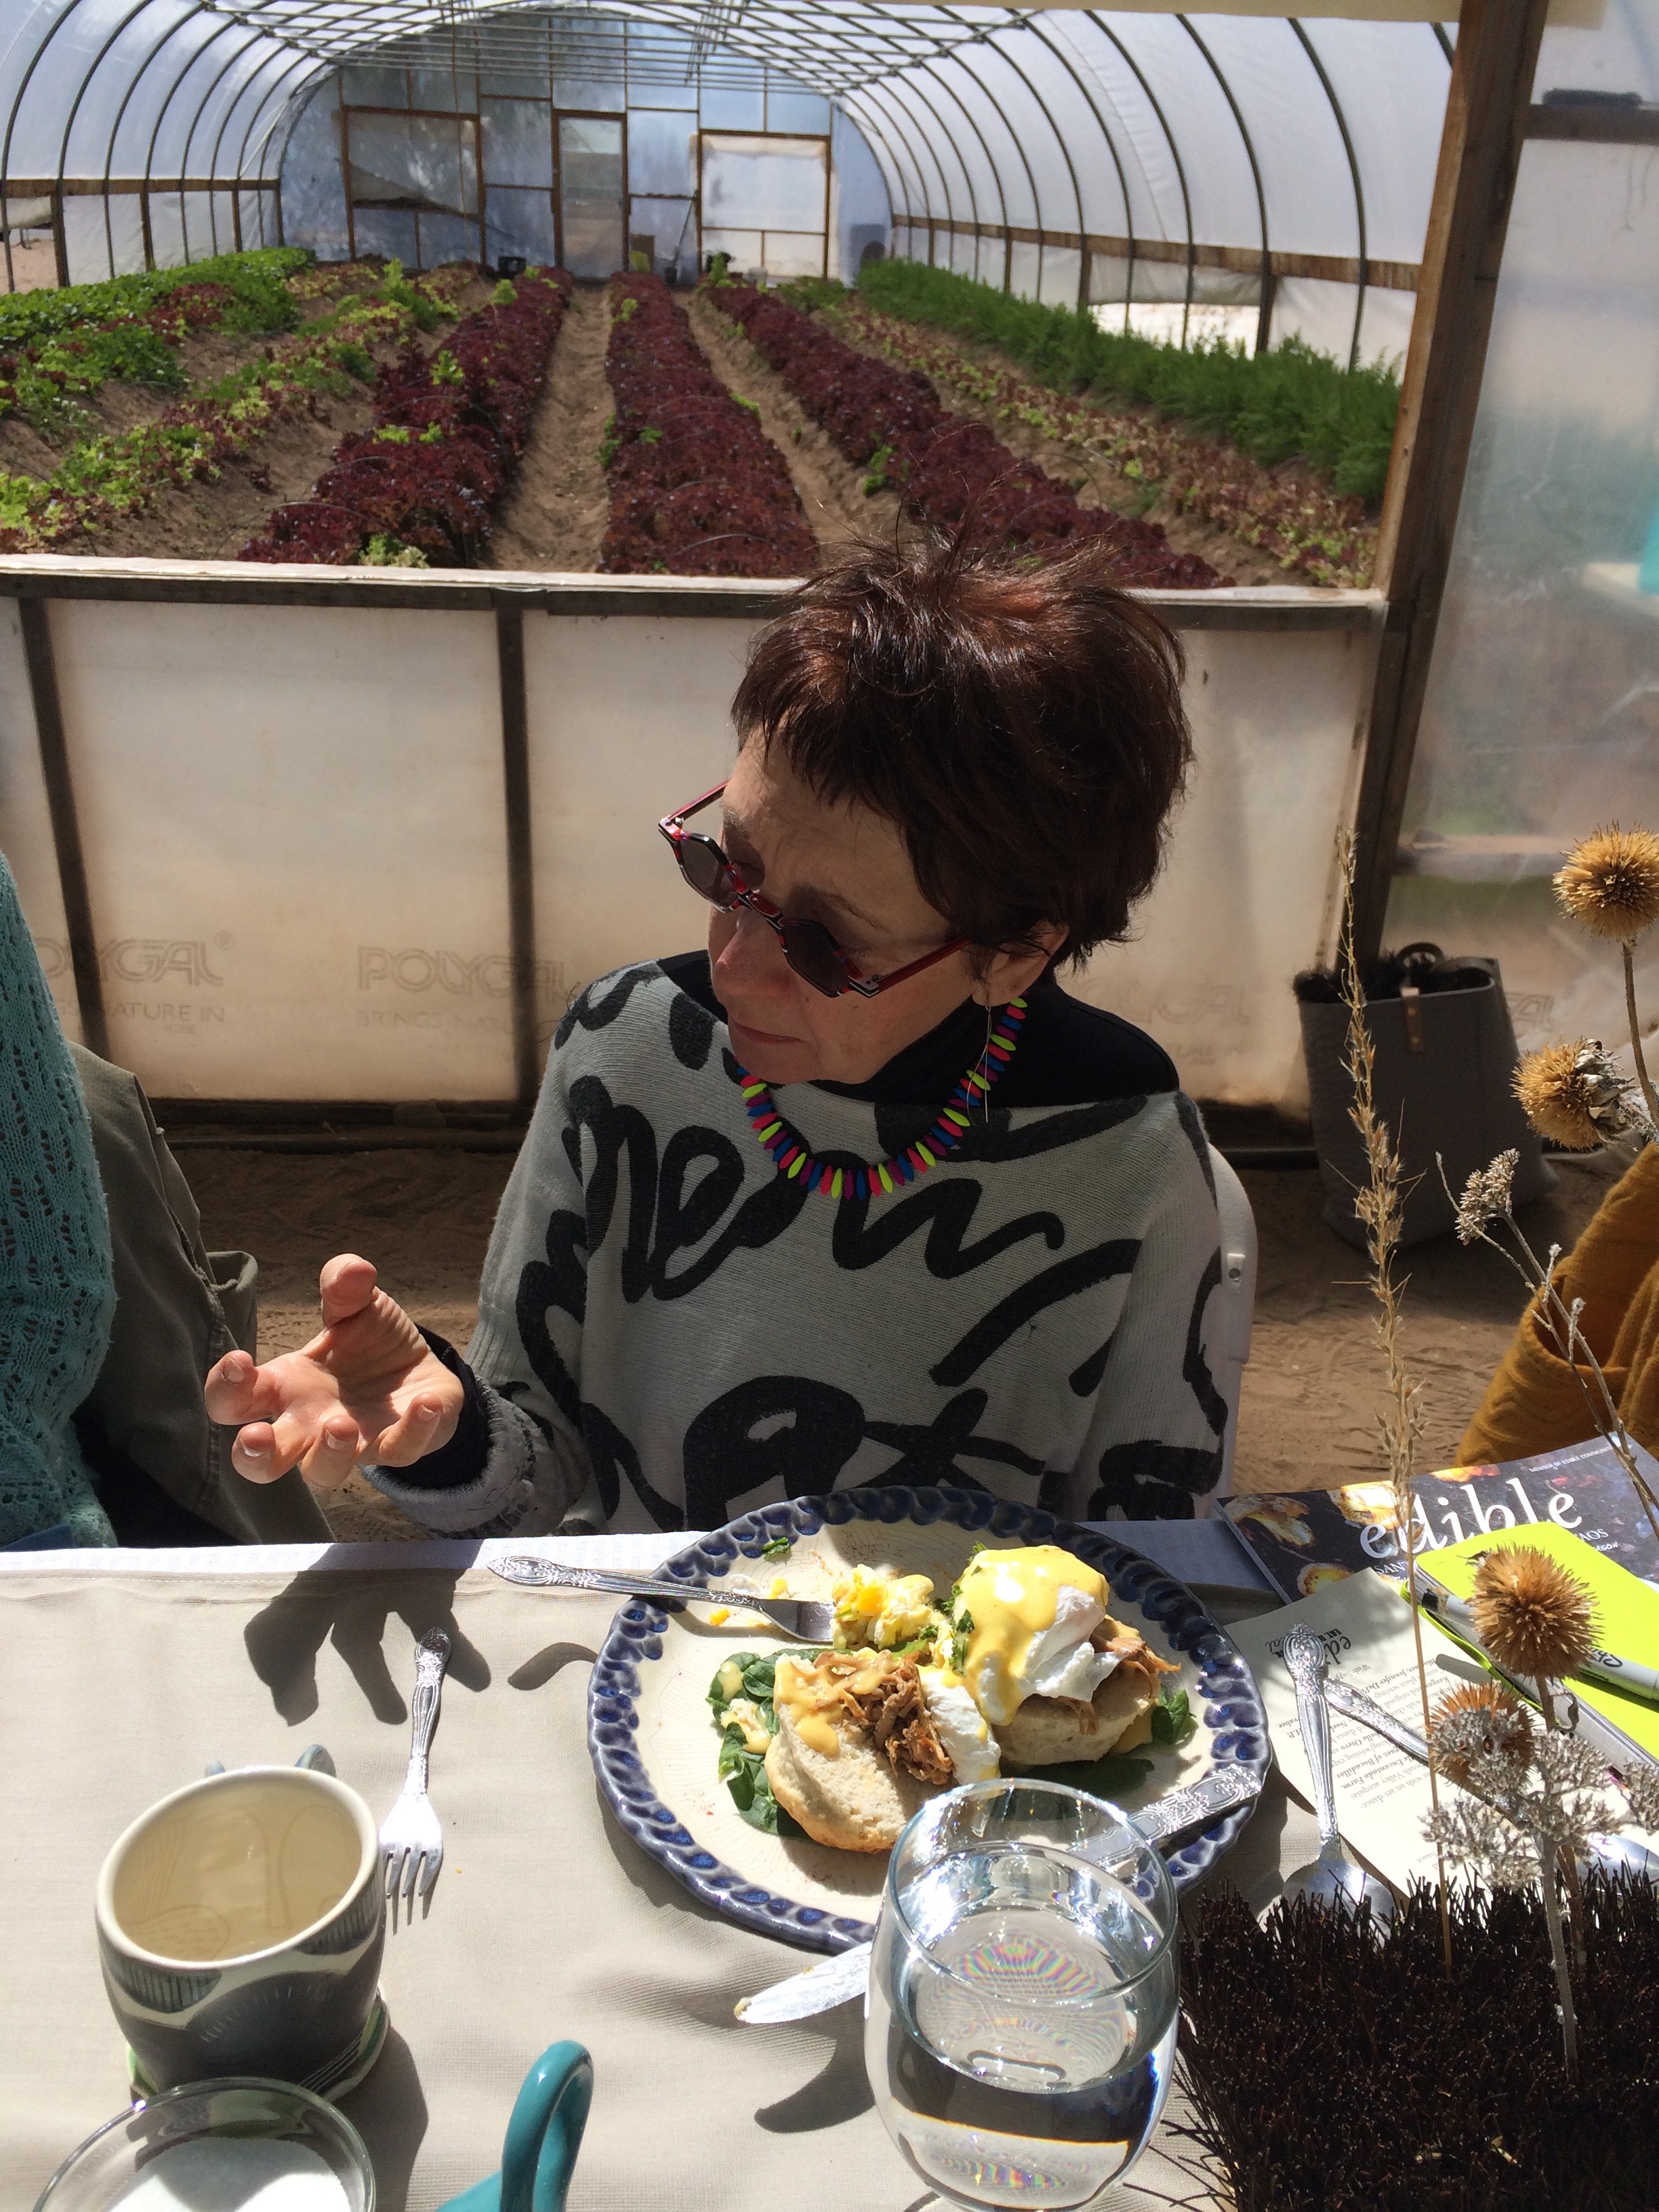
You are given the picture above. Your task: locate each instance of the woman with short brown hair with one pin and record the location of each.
(861, 1194)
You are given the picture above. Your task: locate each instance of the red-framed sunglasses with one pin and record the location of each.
(807, 945)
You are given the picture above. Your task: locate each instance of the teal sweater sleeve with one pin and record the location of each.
(56, 1280)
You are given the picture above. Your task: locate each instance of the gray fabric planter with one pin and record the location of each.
(1445, 1058)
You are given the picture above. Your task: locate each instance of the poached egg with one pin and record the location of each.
(968, 1743)
(1032, 1612)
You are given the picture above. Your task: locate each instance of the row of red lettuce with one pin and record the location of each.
(951, 472)
(697, 489)
(419, 483)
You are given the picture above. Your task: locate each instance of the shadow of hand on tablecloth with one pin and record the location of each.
(839, 2091)
(389, 2112)
(350, 1610)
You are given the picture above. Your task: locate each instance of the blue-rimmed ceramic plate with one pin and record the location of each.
(655, 1744)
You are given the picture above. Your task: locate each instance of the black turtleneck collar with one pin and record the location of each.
(1069, 1054)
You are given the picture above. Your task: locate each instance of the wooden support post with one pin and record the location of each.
(34, 615)
(520, 878)
(1480, 148)
(59, 236)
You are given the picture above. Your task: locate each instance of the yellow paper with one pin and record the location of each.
(1626, 1620)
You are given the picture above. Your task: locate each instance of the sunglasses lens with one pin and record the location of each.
(705, 868)
(815, 957)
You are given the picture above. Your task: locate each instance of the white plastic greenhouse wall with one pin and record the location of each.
(291, 800)
(293, 821)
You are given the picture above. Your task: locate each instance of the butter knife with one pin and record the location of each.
(1169, 1822)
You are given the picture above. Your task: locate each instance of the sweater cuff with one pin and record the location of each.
(461, 1461)
(523, 1486)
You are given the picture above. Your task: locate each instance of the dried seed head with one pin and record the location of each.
(1478, 1719)
(1486, 1196)
(1573, 1095)
(1534, 1618)
(1611, 882)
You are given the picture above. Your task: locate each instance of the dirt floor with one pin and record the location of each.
(212, 521)
(555, 512)
(1307, 1418)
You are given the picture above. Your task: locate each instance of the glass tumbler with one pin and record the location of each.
(214, 2146)
(1020, 2023)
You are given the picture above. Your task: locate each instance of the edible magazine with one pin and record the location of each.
(1303, 1541)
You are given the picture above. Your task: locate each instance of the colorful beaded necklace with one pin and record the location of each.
(791, 1157)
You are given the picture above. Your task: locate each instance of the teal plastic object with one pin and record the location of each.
(542, 2137)
(1647, 576)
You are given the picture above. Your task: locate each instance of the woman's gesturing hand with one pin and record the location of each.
(366, 1387)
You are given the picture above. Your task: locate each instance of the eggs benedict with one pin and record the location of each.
(1022, 1666)
(1056, 1677)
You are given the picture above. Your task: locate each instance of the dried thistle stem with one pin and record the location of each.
(1627, 947)
(1563, 1972)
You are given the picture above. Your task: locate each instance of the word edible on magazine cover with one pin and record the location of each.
(1304, 1540)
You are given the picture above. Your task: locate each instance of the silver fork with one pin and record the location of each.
(412, 1834)
(811, 1623)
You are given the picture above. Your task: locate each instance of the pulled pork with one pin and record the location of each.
(883, 1696)
(1133, 1652)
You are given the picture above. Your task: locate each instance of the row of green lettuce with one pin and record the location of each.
(57, 348)
(257, 280)
(1289, 403)
(107, 474)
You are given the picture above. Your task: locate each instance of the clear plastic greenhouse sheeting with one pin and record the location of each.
(1314, 138)
(1542, 716)
(1158, 128)
(253, 945)
(624, 174)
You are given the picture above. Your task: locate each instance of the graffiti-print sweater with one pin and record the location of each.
(671, 1333)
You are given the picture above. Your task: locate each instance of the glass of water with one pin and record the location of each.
(1020, 2025)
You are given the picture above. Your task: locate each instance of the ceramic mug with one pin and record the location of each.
(240, 1924)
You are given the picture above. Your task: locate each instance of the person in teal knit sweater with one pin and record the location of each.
(57, 1278)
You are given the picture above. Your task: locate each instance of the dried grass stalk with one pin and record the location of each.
(1379, 1205)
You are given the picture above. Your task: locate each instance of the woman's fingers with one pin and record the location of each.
(332, 1456)
(426, 1423)
(237, 1390)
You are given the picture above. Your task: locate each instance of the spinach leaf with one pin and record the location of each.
(1172, 1718)
(964, 1629)
(755, 1668)
(778, 1548)
(925, 1642)
(743, 1774)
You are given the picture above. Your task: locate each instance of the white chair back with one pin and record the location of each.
(1230, 1347)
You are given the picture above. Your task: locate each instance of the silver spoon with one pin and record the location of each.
(1332, 1880)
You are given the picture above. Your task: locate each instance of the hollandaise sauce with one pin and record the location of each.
(1028, 1608)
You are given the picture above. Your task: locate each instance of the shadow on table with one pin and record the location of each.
(389, 2112)
(350, 1610)
(839, 2091)
(541, 1665)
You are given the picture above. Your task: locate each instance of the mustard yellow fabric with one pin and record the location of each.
(1533, 1403)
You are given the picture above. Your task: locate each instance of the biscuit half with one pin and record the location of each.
(1055, 1731)
(855, 1802)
